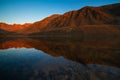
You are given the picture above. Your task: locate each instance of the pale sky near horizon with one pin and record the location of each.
(28, 11)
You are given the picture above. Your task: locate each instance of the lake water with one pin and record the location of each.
(59, 59)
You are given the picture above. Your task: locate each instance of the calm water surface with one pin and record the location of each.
(59, 59)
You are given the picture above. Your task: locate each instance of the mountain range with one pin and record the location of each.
(88, 20)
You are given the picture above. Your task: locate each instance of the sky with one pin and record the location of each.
(29, 11)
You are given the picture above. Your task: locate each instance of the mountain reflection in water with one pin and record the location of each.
(59, 59)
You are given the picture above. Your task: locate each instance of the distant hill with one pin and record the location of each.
(13, 27)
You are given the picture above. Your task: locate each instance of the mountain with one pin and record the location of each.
(87, 20)
(93, 21)
(78, 19)
(105, 15)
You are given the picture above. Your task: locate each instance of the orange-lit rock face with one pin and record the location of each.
(40, 25)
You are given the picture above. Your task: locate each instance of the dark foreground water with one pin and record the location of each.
(59, 59)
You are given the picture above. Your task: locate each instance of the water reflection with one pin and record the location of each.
(59, 59)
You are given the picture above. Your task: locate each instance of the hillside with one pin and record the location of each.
(39, 25)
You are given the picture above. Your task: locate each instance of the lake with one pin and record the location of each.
(59, 59)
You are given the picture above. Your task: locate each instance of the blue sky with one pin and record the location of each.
(22, 11)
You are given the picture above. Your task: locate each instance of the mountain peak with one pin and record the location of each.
(88, 7)
(55, 15)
